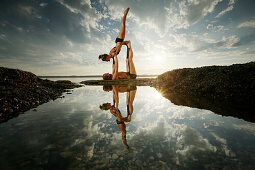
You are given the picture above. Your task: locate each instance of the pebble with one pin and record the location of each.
(151, 157)
(114, 156)
(139, 163)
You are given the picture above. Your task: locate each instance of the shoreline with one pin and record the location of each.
(225, 90)
(21, 91)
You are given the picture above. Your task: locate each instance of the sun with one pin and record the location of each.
(157, 59)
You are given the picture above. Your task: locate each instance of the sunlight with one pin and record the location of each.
(157, 59)
(157, 95)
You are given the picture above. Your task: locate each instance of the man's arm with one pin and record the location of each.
(115, 66)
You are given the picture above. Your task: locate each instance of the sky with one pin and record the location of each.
(65, 37)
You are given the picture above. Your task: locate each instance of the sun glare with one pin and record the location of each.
(157, 58)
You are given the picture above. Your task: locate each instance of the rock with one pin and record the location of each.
(21, 91)
(225, 90)
(105, 161)
(114, 156)
(151, 158)
(78, 158)
(139, 163)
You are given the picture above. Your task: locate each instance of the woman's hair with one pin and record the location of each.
(103, 57)
(104, 106)
(107, 76)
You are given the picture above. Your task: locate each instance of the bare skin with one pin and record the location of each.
(129, 64)
(121, 35)
(114, 109)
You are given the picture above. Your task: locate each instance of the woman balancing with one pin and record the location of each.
(119, 40)
(131, 72)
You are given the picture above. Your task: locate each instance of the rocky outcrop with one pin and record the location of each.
(226, 90)
(22, 90)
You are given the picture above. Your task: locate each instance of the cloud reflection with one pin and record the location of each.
(160, 134)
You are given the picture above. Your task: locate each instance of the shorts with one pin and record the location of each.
(132, 76)
(119, 40)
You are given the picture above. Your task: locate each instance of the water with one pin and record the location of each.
(74, 133)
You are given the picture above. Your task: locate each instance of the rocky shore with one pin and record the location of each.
(225, 90)
(21, 90)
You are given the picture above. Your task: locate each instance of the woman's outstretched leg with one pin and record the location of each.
(123, 25)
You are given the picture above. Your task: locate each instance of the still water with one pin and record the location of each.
(74, 133)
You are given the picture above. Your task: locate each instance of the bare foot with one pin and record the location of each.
(126, 42)
(126, 11)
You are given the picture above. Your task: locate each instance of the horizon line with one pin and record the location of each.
(143, 75)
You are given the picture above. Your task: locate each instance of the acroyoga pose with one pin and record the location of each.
(131, 72)
(119, 40)
(120, 120)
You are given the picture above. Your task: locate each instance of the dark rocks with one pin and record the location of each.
(225, 90)
(21, 91)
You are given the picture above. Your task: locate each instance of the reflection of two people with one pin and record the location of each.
(120, 120)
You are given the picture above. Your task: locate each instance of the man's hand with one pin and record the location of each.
(118, 48)
(113, 52)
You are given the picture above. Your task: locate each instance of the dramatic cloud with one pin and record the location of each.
(194, 10)
(66, 37)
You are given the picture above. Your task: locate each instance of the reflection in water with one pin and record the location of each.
(74, 133)
(241, 109)
(114, 110)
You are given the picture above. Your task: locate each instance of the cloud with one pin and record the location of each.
(250, 23)
(194, 10)
(192, 141)
(195, 43)
(50, 35)
(224, 146)
(145, 13)
(229, 8)
(88, 15)
(211, 27)
(230, 42)
(173, 14)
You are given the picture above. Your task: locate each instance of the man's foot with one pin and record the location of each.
(126, 11)
(126, 43)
